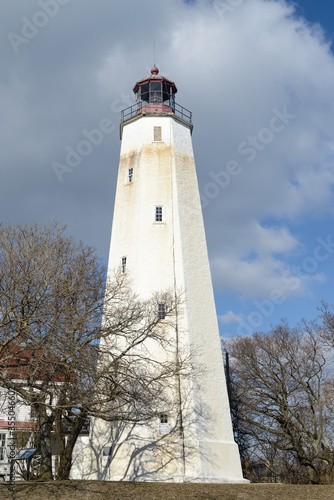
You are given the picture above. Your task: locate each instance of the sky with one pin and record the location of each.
(258, 76)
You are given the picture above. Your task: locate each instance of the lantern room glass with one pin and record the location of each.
(144, 93)
(155, 92)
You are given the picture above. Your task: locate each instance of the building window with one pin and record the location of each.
(158, 214)
(130, 175)
(163, 418)
(2, 446)
(123, 265)
(33, 413)
(107, 451)
(164, 426)
(161, 311)
(157, 134)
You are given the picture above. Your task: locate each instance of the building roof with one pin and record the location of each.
(154, 76)
(24, 361)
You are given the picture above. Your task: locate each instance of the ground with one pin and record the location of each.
(84, 490)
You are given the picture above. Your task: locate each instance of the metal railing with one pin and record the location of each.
(143, 107)
(183, 113)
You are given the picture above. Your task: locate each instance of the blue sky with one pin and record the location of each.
(258, 76)
(318, 12)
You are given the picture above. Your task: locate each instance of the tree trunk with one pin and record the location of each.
(45, 429)
(313, 475)
(60, 439)
(65, 459)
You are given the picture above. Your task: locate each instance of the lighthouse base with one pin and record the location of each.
(165, 460)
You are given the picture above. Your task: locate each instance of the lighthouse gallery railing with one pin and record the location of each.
(143, 107)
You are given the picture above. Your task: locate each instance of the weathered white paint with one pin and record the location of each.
(161, 256)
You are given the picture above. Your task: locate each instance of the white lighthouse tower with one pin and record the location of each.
(158, 239)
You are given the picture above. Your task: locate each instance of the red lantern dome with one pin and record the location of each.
(155, 93)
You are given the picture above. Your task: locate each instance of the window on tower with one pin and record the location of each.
(158, 214)
(163, 418)
(123, 265)
(164, 425)
(161, 311)
(130, 174)
(107, 451)
(157, 136)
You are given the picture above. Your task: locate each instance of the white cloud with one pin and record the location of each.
(230, 317)
(261, 277)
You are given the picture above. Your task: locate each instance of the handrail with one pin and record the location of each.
(143, 107)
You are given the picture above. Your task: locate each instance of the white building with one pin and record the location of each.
(158, 239)
(22, 415)
(19, 428)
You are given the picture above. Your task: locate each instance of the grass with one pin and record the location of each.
(100, 490)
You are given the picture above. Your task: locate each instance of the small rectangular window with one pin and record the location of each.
(161, 311)
(158, 214)
(164, 425)
(2, 446)
(33, 413)
(163, 418)
(123, 265)
(107, 451)
(157, 134)
(130, 174)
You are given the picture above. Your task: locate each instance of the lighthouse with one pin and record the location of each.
(158, 240)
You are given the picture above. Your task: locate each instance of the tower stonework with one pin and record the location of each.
(158, 239)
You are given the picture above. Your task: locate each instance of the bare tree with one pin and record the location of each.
(284, 383)
(324, 324)
(56, 354)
